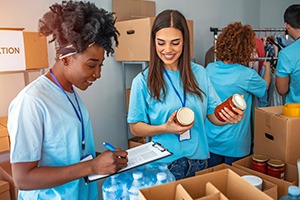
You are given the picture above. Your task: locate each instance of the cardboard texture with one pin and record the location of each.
(4, 190)
(277, 136)
(36, 50)
(245, 164)
(226, 181)
(4, 139)
(133, 9)
(3, 121)
(6, 175)
(136, 141)
(134, 40)
(127, 99)
(268, 187)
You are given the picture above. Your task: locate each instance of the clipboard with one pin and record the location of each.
(137, 156)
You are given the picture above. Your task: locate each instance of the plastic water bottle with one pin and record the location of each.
(161, 178)
(112, 188)
(170, 176)
(150, 174)
(136, 185)
(293, 193)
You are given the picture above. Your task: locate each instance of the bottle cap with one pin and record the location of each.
(239, 101)
(294, 190)
(161, 176)
(276, 163)
(259, 158)
(163, 167)
(185, 116)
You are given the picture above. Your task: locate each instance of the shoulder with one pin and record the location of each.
(197, 68)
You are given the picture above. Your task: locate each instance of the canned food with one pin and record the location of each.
(235, 100)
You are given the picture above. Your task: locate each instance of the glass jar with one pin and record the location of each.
(184, 116)
(235, 100)
(259, 163)
(276, 168)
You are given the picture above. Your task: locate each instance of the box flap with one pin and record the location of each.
(3, 121)
(181, 193)
(133, 9)
(4, 186)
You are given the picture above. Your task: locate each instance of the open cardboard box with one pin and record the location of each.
(268, 187)
(4, 139)
(245, 164)
(4, 190)
(277, 136)
(6, 175)
(226, 181)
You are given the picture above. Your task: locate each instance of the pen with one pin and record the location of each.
(109, 146)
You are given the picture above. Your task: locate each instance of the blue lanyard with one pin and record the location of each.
(78, 113)
(183, 101)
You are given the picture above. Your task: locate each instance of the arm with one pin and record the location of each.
(228, 116)
(27, 175)
(267, 74)
(282, 84)
(142, 129)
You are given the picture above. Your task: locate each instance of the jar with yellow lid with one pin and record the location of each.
(259, 163)
(276, 168)
(291, 110)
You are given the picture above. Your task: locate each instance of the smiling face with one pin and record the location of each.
(169, 46)
(85, 68)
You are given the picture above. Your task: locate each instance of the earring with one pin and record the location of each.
(65, 61)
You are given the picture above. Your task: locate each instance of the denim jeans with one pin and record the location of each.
(184, 167)
(216, 159)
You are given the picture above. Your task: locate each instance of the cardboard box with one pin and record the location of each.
(291, 173)
(22, 50)
(136, 141)
(277, 136)
(3, 121)
(268, 187)
(4, 139)
(4, 190)
(127, 99)
(6, 175)
(226, 181)
(133, 9)
(134, 40)
(36, 50)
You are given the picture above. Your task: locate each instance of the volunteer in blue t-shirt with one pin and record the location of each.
(48, 124)
(170, 82)
(288, 65)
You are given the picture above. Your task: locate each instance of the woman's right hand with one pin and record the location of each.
(172, 127)
(109, 162)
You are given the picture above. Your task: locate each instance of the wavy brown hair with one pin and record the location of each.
(235, 44)
(156, 82)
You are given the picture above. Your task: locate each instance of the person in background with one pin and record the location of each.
(170, 82)
(288, 64)
(230, 75)
(49, 126)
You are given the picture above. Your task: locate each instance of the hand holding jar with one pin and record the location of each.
(231, 110)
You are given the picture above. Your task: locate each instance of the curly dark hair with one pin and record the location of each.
(235, 44)
(79, 24)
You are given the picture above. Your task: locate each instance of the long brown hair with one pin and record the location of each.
(156, 82)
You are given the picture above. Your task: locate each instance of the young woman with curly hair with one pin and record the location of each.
(170, 82)
(49, 126)
(230, 75)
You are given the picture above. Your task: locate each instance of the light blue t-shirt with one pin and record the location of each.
(228, 79)
(43, 126)
(143, 108)
(288, 64)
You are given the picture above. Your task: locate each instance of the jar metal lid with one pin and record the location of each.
(239, 101)
(259, 158)
(185, 116)
(276, 163)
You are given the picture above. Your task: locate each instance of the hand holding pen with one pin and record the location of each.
(112, 148)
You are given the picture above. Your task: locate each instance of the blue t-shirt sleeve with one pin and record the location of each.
(213, 98)
(137, 110)
(283, 63)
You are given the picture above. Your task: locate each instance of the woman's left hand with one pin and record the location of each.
(230, 117)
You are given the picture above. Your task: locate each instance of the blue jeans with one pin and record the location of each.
(216, 159)
(184, 167)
